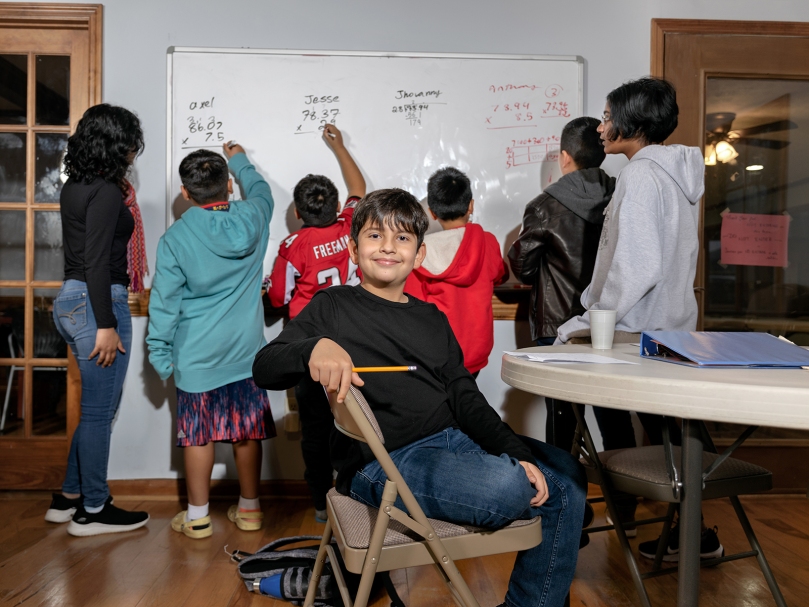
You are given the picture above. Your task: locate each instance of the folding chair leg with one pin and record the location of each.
(762, 561)
(320, 561)
(663, 544)
(375, 545)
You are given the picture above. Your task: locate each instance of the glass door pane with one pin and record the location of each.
(14, 92)
(757, 206)
(12, 167)
(12, 317)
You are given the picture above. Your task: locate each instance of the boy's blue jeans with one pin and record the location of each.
(100, 388)
(455, 480)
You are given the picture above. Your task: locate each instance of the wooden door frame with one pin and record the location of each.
(39, 462)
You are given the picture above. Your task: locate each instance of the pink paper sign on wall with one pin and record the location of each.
(748, 239)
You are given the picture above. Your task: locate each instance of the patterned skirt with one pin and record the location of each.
(231, 413)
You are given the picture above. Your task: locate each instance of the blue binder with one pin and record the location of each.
(722, 349)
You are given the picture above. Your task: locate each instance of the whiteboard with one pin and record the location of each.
(498, 118)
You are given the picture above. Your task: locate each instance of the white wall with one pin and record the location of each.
(613, 37)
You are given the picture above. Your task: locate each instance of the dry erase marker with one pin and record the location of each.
(231, 143)
(382, 369)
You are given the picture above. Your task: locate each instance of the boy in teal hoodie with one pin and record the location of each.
(206, 324)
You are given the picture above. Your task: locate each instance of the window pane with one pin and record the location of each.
(757, 205)
(49, 261)
(12, 245)
(13, 88)
(12, 167)
(50, 383)
(50, 150)
(12, 309)
(53, 89)
(11, 415)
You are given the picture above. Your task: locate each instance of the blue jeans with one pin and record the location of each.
(454, 479)
(100, 388)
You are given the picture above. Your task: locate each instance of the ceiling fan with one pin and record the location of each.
(720, 136)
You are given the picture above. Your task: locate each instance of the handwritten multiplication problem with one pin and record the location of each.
(201, 127)
(316, 112)
(532, 150)
(555, 109)
(516, 106)
(411, 104)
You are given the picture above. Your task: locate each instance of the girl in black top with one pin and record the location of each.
(91, 310)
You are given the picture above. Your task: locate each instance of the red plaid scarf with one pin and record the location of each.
(137, 265)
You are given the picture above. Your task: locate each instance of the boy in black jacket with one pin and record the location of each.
(460, 460)
(556, 250)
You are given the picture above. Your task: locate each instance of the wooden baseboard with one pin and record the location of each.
(172, 489)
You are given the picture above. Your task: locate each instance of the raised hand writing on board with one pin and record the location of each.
(231, 148)
(352, 175)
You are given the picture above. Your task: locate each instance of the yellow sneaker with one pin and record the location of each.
(246, 520)
(198, 529)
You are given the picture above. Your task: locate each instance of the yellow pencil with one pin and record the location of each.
(382, 369)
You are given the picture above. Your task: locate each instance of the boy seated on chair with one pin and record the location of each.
(462, 463)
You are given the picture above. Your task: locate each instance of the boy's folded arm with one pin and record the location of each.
(283, 362)
(280, 365)
(255, 188)
(164, 310)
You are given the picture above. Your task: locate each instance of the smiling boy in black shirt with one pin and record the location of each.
(461, 461)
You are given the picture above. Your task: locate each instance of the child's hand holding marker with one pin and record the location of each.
(231, 148)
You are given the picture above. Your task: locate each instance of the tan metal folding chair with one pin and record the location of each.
(651, 472)
(374, 540)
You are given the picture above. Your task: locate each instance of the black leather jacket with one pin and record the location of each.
(555, 253)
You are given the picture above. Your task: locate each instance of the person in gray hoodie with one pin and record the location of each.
(556, 250)
(647, 255)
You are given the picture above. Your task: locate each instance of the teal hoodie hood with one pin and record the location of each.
(206, 320)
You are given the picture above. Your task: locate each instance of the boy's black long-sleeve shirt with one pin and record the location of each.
(408, 406)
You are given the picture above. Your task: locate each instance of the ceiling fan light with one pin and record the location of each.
(755, 167)
(710, 155)
(725, 152)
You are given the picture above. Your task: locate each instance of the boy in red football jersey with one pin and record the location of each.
(311, 259)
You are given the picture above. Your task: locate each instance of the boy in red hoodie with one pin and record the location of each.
(462, 267)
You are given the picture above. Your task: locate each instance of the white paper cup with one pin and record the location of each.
(602, 328)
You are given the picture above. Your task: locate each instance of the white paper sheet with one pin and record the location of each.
(571, 358)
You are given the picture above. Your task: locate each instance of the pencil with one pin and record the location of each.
(382, 369)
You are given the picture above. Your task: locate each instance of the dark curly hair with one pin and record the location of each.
(103, 145)
(316, 200)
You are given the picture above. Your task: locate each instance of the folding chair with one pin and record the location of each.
(374, 540)
(651, 472)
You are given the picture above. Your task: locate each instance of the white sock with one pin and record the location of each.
(196, 512)
(249, 504)
(95, 509)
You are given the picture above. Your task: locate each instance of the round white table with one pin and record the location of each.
(761, 397)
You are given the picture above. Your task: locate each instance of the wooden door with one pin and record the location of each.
(743, 93)
(50, 66)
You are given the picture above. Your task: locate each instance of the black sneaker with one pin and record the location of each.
(709, 546)
(62, 508)
(111, 519)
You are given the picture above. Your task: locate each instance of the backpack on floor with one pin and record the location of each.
(285, 574)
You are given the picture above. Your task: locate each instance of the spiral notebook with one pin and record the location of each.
(722, 349)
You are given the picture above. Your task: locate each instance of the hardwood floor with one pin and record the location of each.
(40, 565)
